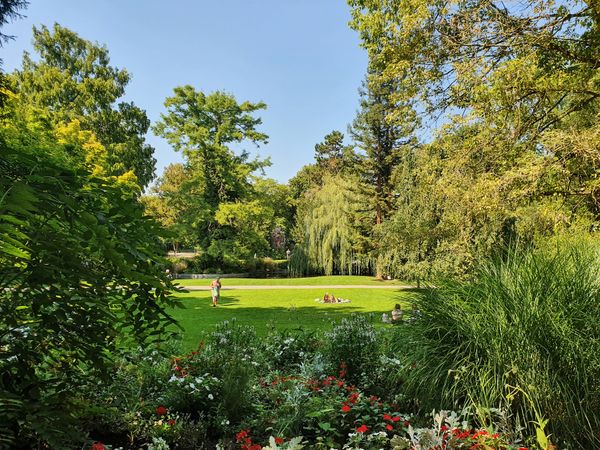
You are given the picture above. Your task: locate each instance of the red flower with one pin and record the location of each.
(387, 417)
(98, 446)
(444, 428)
(523, 448)
(279, 440)
(353, 397)
(161, 410)
(345, 408)
(362, 429)
(241, 435)
(395, 419)
(389, 427)
(406, 423)
(171, 422)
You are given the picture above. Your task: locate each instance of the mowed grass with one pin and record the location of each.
(307, 281)
(280, 308)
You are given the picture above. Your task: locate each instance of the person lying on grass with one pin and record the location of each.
(329, 298)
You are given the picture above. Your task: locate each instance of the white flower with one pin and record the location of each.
(210, 397)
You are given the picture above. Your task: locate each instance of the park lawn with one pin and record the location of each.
(281, 308)
(307, 281)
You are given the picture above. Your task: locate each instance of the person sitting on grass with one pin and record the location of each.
(215, 288)
(397, 314)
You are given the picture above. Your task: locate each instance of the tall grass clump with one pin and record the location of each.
(523, 336)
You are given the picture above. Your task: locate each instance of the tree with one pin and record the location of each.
(202, 126)
(512, 109)
(177, 206)
(219, 180)
(73, 80)
(332, 156)
(537, 51)
(384, 130)
(328, 230)
(80, 276)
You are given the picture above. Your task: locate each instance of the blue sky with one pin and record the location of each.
(298, 56)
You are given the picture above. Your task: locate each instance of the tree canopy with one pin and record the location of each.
(72, 79)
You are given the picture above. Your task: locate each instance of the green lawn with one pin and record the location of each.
(312, 281)
(280, 308)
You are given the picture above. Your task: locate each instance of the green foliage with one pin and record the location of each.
(201, 126)
(521, 335)
(213, 201)
(328, 228)
(350, 347)
(72, 80)
(510, 131)
(79, 278)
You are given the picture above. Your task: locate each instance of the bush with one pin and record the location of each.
(287, 350)
(523, 335)
(352, 348)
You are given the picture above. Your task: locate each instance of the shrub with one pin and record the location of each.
(352, 348)
(522, 335)
(285, 349)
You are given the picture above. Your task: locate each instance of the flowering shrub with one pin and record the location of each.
(288, 350)
(354, 342)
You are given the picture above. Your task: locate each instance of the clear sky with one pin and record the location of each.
(298, 56)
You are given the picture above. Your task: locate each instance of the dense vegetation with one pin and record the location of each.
(340, 388)
(473, 163)
(478, 126)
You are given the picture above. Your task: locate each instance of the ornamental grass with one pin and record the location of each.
(523, 336)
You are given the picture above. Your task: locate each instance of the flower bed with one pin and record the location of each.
(283, 391)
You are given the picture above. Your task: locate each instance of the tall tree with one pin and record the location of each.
(202, 127)
(72, 79)
(332, 156)
(219, 184)
(383, 129)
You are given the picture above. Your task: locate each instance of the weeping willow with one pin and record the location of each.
(330, 241)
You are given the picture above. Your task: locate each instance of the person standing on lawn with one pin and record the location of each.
(215, 289)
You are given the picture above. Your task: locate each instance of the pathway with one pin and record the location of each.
(323, 288)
